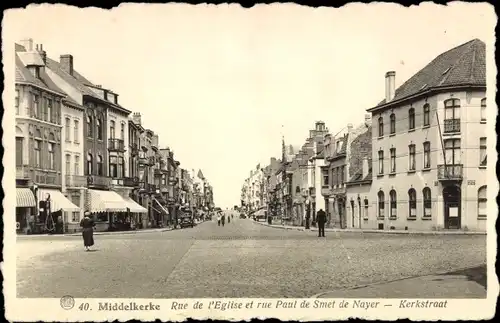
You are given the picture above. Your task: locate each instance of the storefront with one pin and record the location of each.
(25, 210)
(134, 212)
(106, 208)
(52, 219)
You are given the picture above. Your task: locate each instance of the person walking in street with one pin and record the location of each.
(88, 231)
(321, 218)
(218, 219)
(223, 219)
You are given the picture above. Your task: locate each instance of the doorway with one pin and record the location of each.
(342, 215)
(452, 197)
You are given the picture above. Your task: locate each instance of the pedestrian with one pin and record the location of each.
(88, 231)
(218, 219)
(321, 219)
(223, 220)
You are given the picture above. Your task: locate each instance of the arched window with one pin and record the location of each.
(426, 192)
(380, 127)
(89, 126)
(427, 114)
(365, 215)
(482, 200)
(393, 123)
(99, 129)
(100, 165)
(297, 189)
(89, 164)
(411, 119)
(394, 204)
(412, 202)
(381, 204)
(483, 110)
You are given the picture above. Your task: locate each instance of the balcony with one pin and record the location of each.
(45, 177)
(450, 172)
(98, 181)
(22, 172)
(152, 160)
(76, 181)
(326, 190)
(130, 181)
(451, 125)
(158, 172)
(115, 144)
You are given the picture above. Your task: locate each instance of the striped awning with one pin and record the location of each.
(161, 206)
(57, 200)
(25, 198)
(133, 206)
(106, 201)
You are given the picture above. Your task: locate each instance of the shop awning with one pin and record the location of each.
(161, 206)
(57, 200)
(106, 201)
(133, 206)
(25, 198)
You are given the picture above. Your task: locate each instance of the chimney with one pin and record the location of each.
(27, 44)
(136, 117)
(349, 127)
(43, 54)
(368, 119)
(66, 62)
(366, 167)
(390, 84)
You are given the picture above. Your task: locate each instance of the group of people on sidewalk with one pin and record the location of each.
(221, 219)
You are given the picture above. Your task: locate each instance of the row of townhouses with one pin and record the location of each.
(417, 162)
(78, 149)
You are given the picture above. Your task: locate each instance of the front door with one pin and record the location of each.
(452, 207)
(341, 209)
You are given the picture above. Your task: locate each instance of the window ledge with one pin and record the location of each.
(483, 121)
(482, 167)
(365, 219)
(426, 126)
(428, 169)
(392, 174)
(411, 218)
(392, 135)
(393, 218)
(380, 175)
(427, 218)
(411, 130)
(412, 171)
(380, 137)
(67, 140)
(483, 218)
(380, 218)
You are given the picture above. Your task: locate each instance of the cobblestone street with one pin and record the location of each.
(242, 259)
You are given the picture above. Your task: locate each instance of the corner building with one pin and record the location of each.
(429, 146)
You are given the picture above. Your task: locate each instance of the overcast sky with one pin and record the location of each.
(218, 82)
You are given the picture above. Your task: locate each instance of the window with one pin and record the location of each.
(89, 164)
(67, 122)
(164, 181)
(427, 114)
(393, 160)
(19, 151)
(89, 127)
(452, 115)
(50, 116)
(381, 162)
(381, 204)
(76, 131)
(412, 202)
(482, 151)
(112, 129)
(334, 177)
(427, 155)
(38, 150)
(366, 209)
(17, 101)
(325, 177)
(77, 165)
(121, 167)
(411, 119)
(483, 110)
(411, 155)
(482, 200)
(99, 128)
(352, 213)
(36, 107)
(122, 131)
(452, 151)
(393, 124)
(342, 175)
(51, 155)
(100, 166)
(394, 203)
(113, 166)
(380, 127)
(68, 164)
(426, 192)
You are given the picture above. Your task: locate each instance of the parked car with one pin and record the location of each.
(186, 219)
(243, 216)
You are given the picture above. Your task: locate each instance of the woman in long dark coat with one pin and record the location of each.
(88, 231)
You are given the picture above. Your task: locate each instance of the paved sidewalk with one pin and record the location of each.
(290, 227)
(466, 283)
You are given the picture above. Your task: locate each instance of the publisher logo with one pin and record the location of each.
(67, 302)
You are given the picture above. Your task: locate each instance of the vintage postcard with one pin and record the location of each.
(180, 161)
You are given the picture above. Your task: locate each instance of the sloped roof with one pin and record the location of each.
(44, 81)
(462, 65)
(342, 140)
(73, 80)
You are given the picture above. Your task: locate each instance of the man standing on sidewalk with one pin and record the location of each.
(321, 218)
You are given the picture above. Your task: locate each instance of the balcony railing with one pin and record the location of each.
(22, 172)
(115, 144)
(450, 172)
(98, 180)
(45, 177)
(451, 125)
(76, 181)
(130, 181)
